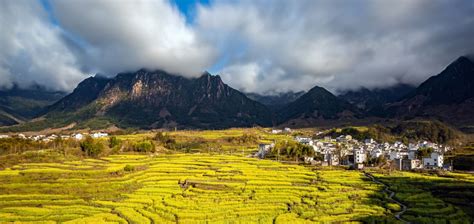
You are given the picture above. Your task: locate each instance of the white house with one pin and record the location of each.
(376, 153)
(359, 156)
(276, 131)
(99, 135)
(304, 140)
(287, 130)
(78, 136)
(412, 153)
(434, 161)
(398, 155)
(4, 136)
(369, 141)
(263, 149)
(318, 146)
(331, 158)
(394, 155)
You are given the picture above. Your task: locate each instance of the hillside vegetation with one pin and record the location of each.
(404, 131)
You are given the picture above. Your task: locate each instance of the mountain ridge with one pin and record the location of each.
(154, 99)
(157, 99)
(447, 96)
(276, 101)
(314, 106)
(21, 104)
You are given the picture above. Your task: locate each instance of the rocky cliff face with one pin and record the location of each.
(86, 92)
(155, 99)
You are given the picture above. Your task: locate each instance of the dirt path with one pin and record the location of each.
(391, 197)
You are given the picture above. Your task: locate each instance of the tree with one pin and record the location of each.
(292, 150)
(144, 146)
(424, 152)
(114, 141)
(91, 147)
(165, 140)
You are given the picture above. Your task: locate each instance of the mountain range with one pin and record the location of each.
(373, 100)
(276, 102)
(18, 104)
(448, 96)
(157, 99)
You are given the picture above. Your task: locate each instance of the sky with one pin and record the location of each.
(260, 46)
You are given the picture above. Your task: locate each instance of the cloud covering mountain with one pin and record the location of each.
(256, 46)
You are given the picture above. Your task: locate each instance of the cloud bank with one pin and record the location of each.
(263, 46)
(294, 45)
(121, 35)
(31, 49)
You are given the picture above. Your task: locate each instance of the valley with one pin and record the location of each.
(241, 111)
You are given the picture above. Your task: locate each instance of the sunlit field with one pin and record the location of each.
(186, 188)
(210, 177)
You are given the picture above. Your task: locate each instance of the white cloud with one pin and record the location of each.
(270, 46)
(32, 50)
(338, 44)
(266, 78)
(129, 35)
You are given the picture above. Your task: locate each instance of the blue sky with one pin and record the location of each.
(188, 8)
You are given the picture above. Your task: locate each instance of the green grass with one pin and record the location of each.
(433, 198)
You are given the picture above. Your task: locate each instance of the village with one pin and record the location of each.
(345, 150)
(52, 137)
(329, 151)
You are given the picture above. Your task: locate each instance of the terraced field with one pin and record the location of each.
(433, 198)
(187, 188)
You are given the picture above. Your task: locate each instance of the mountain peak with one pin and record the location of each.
(463, 59)
(319, 91)
(155, 99)
(316, 105)
(448, 96)
(453, 85)
(275, 101)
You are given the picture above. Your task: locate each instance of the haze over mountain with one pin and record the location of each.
(21, 104)
(448, 96)
(372, 101)
(277, 101)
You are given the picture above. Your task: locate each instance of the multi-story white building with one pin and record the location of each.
(359, 156)
(434, 161)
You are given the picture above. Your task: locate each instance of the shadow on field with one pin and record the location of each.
(429, 199)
